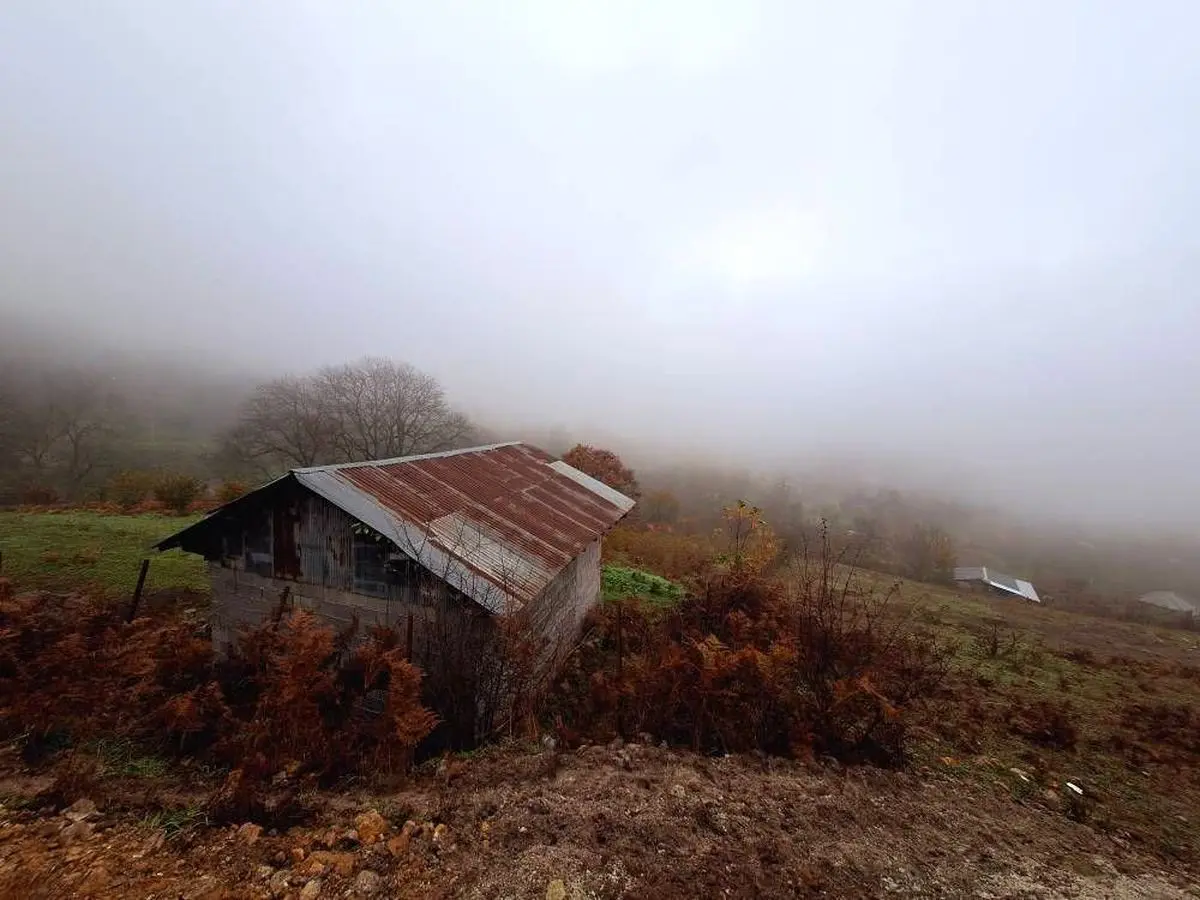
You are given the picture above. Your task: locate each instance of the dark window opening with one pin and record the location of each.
(287, 559)
(370, 566)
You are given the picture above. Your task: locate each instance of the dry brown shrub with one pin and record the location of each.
(231, 490)
(177, 491)
(75, 777)
(129, 488)
(820, 669)
(673, 555)
(1168, 726)
(72, 670)
(310, 702)
(1044, 723)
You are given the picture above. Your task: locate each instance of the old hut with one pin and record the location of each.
(443, 547)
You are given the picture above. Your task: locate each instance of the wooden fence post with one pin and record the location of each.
(408, 639)
(137, 591)
(283, 599)
(620, 669)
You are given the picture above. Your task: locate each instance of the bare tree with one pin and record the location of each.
(60, 428)
(285, 422)
(372, 409)
(385, 409)
(927, 553)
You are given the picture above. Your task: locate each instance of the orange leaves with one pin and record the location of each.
(741, 665)
(751, 544)
(605, 466)
(670, 554)
(72, 667)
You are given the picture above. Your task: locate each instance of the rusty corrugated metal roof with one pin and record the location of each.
(497, 522)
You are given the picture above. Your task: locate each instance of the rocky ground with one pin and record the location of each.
(601, 822)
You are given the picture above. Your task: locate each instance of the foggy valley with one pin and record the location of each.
(916, 281)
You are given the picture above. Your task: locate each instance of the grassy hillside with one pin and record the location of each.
(1036, 697)
(85, 550)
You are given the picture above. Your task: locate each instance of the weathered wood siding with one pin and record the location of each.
(322, 576)
(244, 599)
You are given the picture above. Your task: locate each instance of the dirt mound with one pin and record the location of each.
(601, 822)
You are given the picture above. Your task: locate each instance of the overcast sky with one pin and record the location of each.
(960, 233)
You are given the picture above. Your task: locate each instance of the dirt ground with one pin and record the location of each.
(601, 822)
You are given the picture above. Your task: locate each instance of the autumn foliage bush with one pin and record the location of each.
(1045, 723)
(177, 492)
(296, 697)
(231, 490)
(810, 667)
(129, 488)
(670, 554)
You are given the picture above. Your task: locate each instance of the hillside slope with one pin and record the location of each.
(602, 822)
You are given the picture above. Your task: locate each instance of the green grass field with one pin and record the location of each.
(619, 582)
(85, 550)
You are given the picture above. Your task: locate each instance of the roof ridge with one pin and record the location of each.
(416, 457)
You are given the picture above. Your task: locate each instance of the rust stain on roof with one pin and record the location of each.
(509, 512)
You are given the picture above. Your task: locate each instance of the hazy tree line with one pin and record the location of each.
(71, 433)
(103, 430)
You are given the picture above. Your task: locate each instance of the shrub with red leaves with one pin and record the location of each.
(298, 696)
(817, 669)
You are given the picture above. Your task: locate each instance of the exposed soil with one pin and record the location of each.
(602, 822)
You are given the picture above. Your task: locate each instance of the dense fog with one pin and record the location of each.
(942, 248)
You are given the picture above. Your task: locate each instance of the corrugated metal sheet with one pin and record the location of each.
(1170, 600)
(998, 580)
(496, 522)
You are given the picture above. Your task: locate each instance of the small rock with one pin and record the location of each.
(678, 791)
(367, 883)
(249, 834)
(441, 835)
(280, 858)
(311, 890)
(76, 832)
(97, 879)
(264, 873)
(279, 884)
(556, 890)
(371, 826)
(398, 845)
(320, 860)
(297, 854)
(351, 837)
(81, 809)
